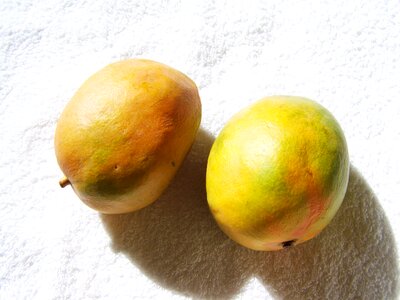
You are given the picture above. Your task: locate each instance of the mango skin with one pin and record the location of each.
(124, 134)
(277, 173)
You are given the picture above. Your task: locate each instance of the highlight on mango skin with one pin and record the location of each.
(277, 173)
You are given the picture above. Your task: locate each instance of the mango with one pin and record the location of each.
(277, 173)
(124, 134)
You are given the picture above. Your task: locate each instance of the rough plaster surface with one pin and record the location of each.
(344, 54)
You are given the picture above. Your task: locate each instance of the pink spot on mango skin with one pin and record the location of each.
(317, 206)
(316, 203)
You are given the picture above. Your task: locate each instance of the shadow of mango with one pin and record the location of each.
(176, 242)
(353, 258)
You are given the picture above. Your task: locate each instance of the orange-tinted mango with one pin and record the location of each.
(124, 134)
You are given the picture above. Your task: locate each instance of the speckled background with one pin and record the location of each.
(343, 54)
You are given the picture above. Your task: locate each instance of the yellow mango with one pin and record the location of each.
(277, 173)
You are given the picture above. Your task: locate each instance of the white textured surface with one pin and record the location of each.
(344, 54)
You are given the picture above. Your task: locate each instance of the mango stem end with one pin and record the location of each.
(64, 182)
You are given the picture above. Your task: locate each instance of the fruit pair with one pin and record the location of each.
(276, 174)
